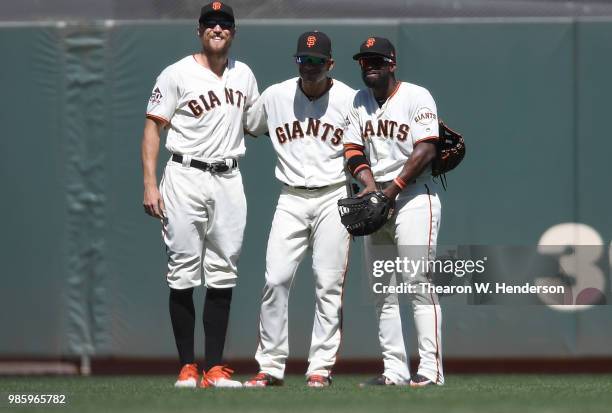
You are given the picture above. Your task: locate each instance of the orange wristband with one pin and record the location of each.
(400, 182)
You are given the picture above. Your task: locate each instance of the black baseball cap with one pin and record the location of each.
(216, 9)
(314, 43)
(376, 46)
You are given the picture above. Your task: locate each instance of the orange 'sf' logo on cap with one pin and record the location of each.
(216, 5)
(370, 42)
(310, 41)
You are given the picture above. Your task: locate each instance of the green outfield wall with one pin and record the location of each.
(84, 267)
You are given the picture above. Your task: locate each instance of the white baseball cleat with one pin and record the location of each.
(316, 380)
(188, 377)
(219, 376)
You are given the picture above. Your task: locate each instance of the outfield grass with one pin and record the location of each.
(470, 394)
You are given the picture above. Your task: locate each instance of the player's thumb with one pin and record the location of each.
(162, 207)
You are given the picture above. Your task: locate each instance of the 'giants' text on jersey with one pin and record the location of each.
(306, 134)
(312, 128)
(385, 128)
(209, 100)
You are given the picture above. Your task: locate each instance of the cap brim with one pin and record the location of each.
(314, 54)
(364, 54)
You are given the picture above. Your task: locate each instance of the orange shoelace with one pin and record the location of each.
(219, 372)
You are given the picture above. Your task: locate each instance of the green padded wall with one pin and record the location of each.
(84, 267)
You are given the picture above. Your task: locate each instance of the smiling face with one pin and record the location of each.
(216, 36)
(376, 71)
(313, 69)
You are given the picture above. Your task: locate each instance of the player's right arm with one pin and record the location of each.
(366, 178)
(152, 203)
(354, 151)
(160, 110)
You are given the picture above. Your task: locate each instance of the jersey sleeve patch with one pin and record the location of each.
(156, 97)
(424, 116)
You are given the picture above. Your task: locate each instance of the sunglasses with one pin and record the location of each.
(375, 61)
(311, 60)
(224, 24)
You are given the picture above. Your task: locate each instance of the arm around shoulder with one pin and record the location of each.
(255, 120)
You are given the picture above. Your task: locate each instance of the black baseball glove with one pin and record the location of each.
(450, 150)
(366, 214)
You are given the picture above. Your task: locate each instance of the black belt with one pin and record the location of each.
(308, 188)
(205, 166)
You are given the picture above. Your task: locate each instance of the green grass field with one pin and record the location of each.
(470, 394)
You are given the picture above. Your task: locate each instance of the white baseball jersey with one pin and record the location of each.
(306, 135)
(389, 133)
(204, 112)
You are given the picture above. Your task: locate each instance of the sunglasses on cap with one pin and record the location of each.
(224, 24)
(374, 61)
(311, 60)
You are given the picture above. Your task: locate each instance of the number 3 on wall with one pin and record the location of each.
(579, 250)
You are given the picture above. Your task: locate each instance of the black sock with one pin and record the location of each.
(182, 314)
(216, 317)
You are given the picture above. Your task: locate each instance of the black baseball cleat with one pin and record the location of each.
(420, 381)
(263, 380)
(381, 380)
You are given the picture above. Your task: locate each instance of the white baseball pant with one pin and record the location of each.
(204, 225)
(304, 218)
(411, 234)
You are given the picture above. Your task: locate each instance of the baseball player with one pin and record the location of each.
(201, 100)
(389, 144)
(305, 117)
